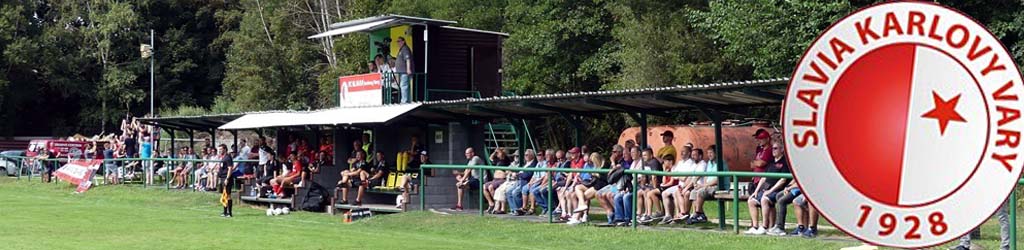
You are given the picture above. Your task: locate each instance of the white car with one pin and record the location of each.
(9, 166)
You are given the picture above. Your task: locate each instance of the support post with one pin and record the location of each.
(422, 192)
(720, 162)
(550, 209)
(633, 211)
(643, 131)
(171, 133)
(735, 205)
(234, 137)
(1012, 207)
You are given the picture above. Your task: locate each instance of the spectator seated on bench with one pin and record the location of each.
(704, 190)
(288, 181)
(378, 171)
(407, 182)
(355, 176)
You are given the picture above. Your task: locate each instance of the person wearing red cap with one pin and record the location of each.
(763, 152)
(668, 149)
(567, 198)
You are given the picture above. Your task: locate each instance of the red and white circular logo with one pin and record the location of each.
(903, 124)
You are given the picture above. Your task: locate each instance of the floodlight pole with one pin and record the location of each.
(152, 64)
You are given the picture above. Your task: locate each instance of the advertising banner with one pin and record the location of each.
(79, 172)
(360, 90)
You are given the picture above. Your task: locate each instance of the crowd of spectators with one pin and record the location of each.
(661, 200)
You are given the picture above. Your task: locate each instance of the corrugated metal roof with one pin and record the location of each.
(728, 97)
(400, 18)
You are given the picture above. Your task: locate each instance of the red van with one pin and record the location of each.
(75, 149)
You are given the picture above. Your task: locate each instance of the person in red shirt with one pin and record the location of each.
(278, 184)
(763, 152)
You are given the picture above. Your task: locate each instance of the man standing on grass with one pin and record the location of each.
(225, 172)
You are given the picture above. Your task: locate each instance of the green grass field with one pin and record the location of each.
(49, 216)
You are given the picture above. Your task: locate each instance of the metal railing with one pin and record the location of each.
(36, 163)
(417, 81)
(36, 166)
(734, 183)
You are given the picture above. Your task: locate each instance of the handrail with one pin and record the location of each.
(471, 93)
(119, 159)
(734, 175)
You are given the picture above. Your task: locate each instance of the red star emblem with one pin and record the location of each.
(944, 111)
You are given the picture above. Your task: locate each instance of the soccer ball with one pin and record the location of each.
(270, 212)
(285, 210)
(277, 211)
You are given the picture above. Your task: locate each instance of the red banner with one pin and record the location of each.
(79, 172)
(360, 90)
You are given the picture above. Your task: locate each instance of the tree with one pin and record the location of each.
(769, 35)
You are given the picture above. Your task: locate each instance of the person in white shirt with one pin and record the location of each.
(705, 190)
(683, 197)
(685, 164)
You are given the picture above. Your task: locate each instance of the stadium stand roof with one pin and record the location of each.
(726, 97)
(385, 21)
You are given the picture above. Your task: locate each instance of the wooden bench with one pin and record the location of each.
(727, 195)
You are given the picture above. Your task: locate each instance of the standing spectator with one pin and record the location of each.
(404, 68)
(226, 172)
(50, 163)
(762, 154)
(706, 190)
(668, 150)
(146, 153)
(765, 194)
(468, 178)
(109, 165)
(387, 73)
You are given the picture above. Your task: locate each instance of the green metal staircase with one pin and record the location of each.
(508, 136)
